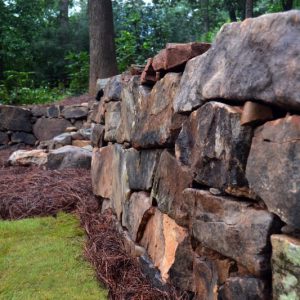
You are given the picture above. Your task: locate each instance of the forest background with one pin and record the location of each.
(44, 44)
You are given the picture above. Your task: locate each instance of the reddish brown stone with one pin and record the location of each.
(102, 161)
(149, 76)
(169, 182)
(255, 113)
(175, 56)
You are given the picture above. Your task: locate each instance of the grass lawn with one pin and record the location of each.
(41, 258)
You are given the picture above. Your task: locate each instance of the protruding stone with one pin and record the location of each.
(233, 228)
(97, 137)
(285, 267)
(102, 173)
(141, 166)
(71, 129)
(136, 213)
(69, 157)
(161, 239)
(23, 137)
(159, 125)
(149, 76)
(237, 288)
(255, 113)
(247, 61)
(175, 56)
(273, 168)
(81, 143)
(15, 119)
(75, 112)
(214, 144)
(46, 129)
(63, 139)
(169, 182)
(28, 158)
(112, 121)
(113, 88)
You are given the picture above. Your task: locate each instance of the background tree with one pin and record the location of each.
(103, 61)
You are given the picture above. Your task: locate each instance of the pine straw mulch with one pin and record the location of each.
(31, 191)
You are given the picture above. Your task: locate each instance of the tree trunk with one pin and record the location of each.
(249, 9)
(103, 61)
(287, 5)
(231, 10)
(64, 13)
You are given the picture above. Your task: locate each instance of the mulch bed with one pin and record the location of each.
(31, 191)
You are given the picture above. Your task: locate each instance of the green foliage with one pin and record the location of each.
(18, 88)
(41, 258)
(78, 71)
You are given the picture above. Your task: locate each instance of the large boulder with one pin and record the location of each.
(233, 228)
(28, 158)
(112, 121)
(258, 58)
(15, 119)
(23, 137)
(141, 167)
(46, 129)
(69, 157)
(75, 112)
(97, 136)
(214, 144)
(286, 267)
(102, 162)
(169, 182)
(273, 168)
(159, 125)
(113, 88)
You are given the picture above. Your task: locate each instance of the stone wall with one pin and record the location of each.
(202, 169)
(34, 125)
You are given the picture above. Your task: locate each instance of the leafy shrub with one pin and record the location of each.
(78, 71)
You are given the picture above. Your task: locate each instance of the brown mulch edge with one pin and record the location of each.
(30, 191)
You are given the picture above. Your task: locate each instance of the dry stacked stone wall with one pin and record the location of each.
(202, 168)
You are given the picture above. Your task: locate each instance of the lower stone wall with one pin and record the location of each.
(37, 124)
(209, 192)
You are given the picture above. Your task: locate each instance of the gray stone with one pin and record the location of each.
(4, 139)
(286, 267)
(141, 166)
(101, 83)
(39, 111)
(112, 121)
(63, 139)
(23, 137)
(158, 124)
(97, 137)
(273, 168)
(46, 129)
(113, 88)
(233, 228)
(54, 111)
(258, 58)
(75, 112)
(15, 119)
(214, 144)
(69, 157)
(169, 182)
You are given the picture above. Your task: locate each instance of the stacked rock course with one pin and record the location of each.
(203, 168)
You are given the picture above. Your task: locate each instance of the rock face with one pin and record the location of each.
(23, 137)
(75, 112)
(161, 239)
(28, 158)
(97, 137)
(15, 119)
(46, 129)
(169, 182)
(234, 229)
(159, 125)
(112, 121)
(102, 171)
(214, 144)
(4, 139)
(175, 56)
(69, 157)
(136, 214)
(113, 88)
(141, 166)
(237, 288)
(286, 267)
(273, 168)
(246, 62)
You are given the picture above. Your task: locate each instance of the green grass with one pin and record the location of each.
(41, 258)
